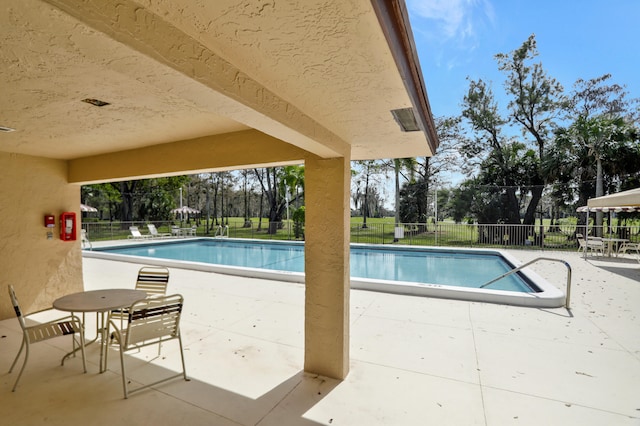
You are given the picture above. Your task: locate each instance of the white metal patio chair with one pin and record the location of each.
(150, 321)
(69, 325)
(85, 239)
(629, 247)
(152, 279)
(590, 243)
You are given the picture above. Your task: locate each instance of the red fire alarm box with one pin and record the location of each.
(68, 226)
(49, 221)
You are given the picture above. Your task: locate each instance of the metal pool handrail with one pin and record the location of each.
(513, 271)
(220, 231)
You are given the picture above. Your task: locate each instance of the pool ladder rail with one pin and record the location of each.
(222, 232)
(519, 268)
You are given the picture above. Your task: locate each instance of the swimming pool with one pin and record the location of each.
(398, 269)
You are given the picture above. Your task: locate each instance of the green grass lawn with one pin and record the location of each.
(377, 231)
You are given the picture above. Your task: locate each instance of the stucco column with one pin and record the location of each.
(327, 184)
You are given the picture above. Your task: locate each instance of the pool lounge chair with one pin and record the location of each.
(154, 232)
(136, 234)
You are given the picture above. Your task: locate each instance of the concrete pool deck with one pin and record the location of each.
(414, 360)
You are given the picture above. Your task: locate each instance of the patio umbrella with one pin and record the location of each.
(85, 208)
(617, 209)
(185, 210)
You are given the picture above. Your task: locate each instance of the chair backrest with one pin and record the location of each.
(152, 229)
(153, 279)
(16, 307)
(135, 231)
(152, 319)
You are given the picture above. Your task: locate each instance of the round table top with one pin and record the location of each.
(98, 300)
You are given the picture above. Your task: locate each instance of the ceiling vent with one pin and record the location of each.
(6, 129)
(406, 119)
(96, 102)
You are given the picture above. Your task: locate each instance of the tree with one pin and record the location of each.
(277, 184)
(490, 148)
(598, 147)
(102, 196)
(154, 198)
(369, 169)
(603, 147)
(148, 199)
(399, 166)
(245, 184)
(413, 201)
(535, 104)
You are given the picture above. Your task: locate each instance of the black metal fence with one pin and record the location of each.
(556, 237)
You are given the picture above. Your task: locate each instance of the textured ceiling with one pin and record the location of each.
(316, 74)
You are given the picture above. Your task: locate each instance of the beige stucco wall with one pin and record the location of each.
(40, 269)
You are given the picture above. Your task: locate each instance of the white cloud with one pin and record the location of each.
(454, 19)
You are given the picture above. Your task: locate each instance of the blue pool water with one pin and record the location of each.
(426, 266)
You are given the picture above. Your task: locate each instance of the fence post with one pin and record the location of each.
(382, 236)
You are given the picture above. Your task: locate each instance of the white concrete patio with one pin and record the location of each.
(414, 360)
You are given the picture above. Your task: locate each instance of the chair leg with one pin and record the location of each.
(124, 374)
(18, 355)
(184, 368)
(24, 364)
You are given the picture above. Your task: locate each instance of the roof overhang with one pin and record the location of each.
(321, 77)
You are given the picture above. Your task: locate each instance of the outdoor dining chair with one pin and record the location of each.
(590, 243)
(152, 279)
(69, 325)
(150, 321)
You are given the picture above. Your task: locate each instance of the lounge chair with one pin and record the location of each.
(69, 325)
(154, 232)
(590, 243)
(136, 234)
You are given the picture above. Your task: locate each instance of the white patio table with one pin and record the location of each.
(610, 242)
(101, 302)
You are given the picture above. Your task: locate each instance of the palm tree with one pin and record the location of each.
(399, 164)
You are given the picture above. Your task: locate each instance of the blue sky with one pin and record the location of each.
(575, 39)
